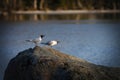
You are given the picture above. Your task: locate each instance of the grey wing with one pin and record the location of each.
(36, 40)
(29, 40)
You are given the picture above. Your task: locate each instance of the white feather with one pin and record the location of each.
(52, 43)
(36, 41)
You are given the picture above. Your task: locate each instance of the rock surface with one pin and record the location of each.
(44, 63)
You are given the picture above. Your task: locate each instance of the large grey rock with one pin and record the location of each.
(44, 63)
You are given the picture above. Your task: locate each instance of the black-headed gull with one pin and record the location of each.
(52, 43)
(37, 40)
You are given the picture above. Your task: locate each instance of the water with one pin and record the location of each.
(95, 40)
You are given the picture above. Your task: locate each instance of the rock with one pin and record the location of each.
(44, 63)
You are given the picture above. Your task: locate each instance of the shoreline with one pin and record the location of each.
(62, 12)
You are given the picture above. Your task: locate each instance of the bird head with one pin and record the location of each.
(42, 36)
(58, 41)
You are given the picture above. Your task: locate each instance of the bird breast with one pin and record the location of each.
(37, 40)
(52, 43)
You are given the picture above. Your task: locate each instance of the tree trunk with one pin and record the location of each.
(20, 5)
(79, 4)
(41, 4)
(114, 6)
(6, 4)
(14, 4)
(35, 4)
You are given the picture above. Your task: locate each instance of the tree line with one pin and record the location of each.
(8, 5)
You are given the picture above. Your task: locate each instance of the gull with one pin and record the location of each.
(37, 40)
(52, 43)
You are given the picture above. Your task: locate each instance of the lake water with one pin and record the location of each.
(95, 38)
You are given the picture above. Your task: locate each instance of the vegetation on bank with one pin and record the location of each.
(8, 5)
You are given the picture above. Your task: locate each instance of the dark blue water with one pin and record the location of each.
(97, 41)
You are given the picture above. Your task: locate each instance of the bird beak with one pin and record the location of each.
(58, 41)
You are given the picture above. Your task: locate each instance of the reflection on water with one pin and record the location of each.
(43, 17)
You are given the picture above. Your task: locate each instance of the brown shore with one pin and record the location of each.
(63, 12)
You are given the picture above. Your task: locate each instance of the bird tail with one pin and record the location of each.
(29, 40)
(44, 43)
